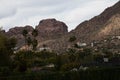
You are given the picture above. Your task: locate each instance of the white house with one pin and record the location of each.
(118, 37)
(92, 44)
(105, 59)
(81, 44)
(44, 48)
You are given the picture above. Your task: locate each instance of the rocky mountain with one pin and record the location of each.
(16, 32)
(91, 29)
(55, 35)
(51, 29)
(100, 27)
(47, 29)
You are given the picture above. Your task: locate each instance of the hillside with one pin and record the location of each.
(54, 34)
(47, 29)
(98, 28)
(88, 30)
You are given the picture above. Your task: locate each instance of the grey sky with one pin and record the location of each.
(30, 12)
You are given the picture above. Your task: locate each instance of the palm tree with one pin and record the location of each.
(35, 33)
(34, 42)
(29, 42)
(24, 33)
(72, 38)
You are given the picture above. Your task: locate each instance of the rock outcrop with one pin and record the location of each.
(100, 27)
(48, 29)
(51, 29)
(16, 32)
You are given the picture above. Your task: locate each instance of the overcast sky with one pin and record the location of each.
(30, 12)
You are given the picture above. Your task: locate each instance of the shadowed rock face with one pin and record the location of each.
(51, 29)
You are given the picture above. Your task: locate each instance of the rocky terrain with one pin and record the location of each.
(55, 35)
(16, 32)
(96, 29)
(47, 29)
(90, 30)
(51, 29)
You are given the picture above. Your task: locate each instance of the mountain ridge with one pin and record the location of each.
(91, 30)
(55, 34)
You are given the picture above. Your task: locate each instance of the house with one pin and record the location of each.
(44, 48)
(92, 44)
(118, 37)
(105, 59)
(81, 44)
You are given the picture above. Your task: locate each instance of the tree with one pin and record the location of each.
(29, 41)
(72, 39)
(72, 57)
(10, 44)
(4, 60)
(107, 52)
(71, 52)
(87, 51)
(35, 33)
(24, 33)
(58, 62)
(34, 42)
(6, 48)
(98, 58)
(23, 60)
